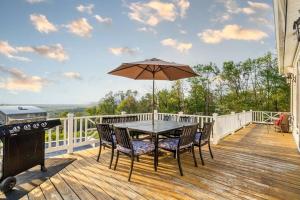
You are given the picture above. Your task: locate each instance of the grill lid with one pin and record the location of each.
(16, 110)
(21, 114)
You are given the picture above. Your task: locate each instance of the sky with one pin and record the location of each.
(59, 51)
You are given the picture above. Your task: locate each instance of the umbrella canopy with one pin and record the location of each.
(154, 69)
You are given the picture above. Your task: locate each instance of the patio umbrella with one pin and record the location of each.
(154, 69)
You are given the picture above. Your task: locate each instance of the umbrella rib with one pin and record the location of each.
(116, 70)
(185, 70)
(162, 69)
(139, 74)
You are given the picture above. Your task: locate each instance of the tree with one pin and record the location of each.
(129, 103)
(203, 84)
(251, 84)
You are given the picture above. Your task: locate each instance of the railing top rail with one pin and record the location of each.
(270, 111)
(185, 115)
(117, 115)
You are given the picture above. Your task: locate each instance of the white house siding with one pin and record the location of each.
(288, 49)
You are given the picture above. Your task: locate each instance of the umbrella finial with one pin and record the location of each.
(154, 59)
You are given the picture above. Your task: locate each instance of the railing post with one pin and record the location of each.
(123, 113)
(234, 122)
(244, 122)
(70, 132)
(215, 129)
(179, 114)
(155, 115)
(252, 117)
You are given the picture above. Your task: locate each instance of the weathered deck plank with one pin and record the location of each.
(250, 164)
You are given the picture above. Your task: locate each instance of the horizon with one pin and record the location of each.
(61, 54)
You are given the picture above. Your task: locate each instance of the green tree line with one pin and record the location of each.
(235, 86)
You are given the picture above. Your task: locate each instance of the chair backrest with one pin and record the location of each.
(188, 119)
(188, 135)
(104, 132)
(123, 137)
(207, 131)
(167, 118)
(135, 118)
(184, 119)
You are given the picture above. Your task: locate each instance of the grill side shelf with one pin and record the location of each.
(23, 128)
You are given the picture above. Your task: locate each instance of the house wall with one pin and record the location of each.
(295, 107)
(296, 133)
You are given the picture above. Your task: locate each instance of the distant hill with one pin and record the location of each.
(57, 110)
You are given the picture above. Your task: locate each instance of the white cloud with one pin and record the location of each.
(7, 50)
(183, 6)
(17, 80)
(123, 50)
(55, 52)
(80, 27)
(231, 32)
(232, 8)
(181, 31)
(147, 29)
(258, 5)
(180, 46)
(153, 12)
(42, 24)
(247, 10)
(72, 75)
(222, 18)
(105, 20)
(35, 1)
(86, 8)
(263, 21)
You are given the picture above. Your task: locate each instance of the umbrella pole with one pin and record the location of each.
(153, 100)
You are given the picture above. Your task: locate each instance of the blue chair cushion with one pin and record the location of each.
(139, 147)
(108, 142)
(171, 144)
(197, 137)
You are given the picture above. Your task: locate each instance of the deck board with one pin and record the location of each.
(250, 164)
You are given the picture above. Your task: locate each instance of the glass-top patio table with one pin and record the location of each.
(156, 129)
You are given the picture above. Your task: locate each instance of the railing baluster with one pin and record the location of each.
(80, 129)
(85, 129)
(65, 132)
(50, 138)
(57, 136)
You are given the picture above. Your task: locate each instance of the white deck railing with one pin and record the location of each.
(77, 132)
(228, 124)
(264, 117)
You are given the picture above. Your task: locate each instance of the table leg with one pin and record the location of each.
(156, 151)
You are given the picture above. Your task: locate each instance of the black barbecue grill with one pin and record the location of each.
(22, 141)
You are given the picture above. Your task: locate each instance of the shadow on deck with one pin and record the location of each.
(250, 164)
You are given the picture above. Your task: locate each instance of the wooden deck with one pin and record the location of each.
(251, 164)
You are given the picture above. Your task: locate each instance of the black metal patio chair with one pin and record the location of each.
(131, 148)
(167, 118)
(181, 144)
(107, 139)
(202, 138)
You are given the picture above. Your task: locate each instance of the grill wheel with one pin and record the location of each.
(8, 184)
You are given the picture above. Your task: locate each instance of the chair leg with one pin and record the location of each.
(112, 156)
(115, 167)
(131, 167)
(193, 151)
(137, 159)
(200, 152)
(174, 155)
(211, 154)
(100, 147)
(154, 163)
(179, 163)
